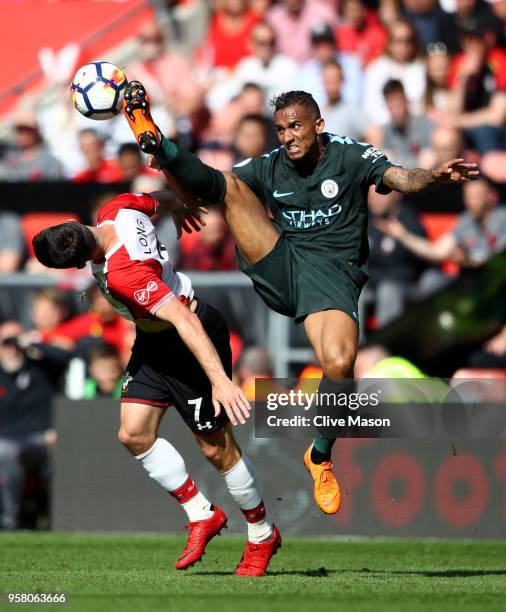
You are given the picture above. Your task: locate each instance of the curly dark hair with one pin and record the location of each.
(294, 98)
(68, 245)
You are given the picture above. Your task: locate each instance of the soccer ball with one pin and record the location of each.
(97, 90)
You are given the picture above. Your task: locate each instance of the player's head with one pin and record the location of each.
(298, 123)
(68, 245)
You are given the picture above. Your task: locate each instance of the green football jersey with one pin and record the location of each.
(327, 209)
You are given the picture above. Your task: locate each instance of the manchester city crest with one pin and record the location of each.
(329, 188)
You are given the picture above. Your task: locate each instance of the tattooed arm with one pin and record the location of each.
(419, 180)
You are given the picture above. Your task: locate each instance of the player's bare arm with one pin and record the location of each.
(191, 331)
(419, 180)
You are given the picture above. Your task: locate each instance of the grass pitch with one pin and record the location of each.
(135, 572)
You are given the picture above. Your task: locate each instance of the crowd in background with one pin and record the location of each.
(421, 79)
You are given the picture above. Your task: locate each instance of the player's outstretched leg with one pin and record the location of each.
(240, 477)
(136, 109)
(163, 463)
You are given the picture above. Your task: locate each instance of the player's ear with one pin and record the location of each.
(320, 125)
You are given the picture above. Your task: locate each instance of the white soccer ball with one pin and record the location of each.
(97, 90)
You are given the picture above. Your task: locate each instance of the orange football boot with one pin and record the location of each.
(136, 110)
(326, 489)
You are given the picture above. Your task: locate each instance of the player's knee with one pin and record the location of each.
(136, 442)
(233, 193)
(338, 363)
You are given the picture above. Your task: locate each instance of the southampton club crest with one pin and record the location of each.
(126, 381)
(329, 188)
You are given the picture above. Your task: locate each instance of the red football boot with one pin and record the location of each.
(201, 532)
(256, 557)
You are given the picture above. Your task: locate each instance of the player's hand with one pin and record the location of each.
(189, 219)
(391, 226)
(456, 171)
(228, 395)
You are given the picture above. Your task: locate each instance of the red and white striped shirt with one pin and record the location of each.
(137, 277)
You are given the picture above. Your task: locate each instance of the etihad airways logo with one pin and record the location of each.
(306, 219)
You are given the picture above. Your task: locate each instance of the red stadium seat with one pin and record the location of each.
(32, 223)
(436, 225)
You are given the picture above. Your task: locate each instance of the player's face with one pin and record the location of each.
(298, 131)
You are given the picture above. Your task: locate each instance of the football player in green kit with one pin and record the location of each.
(310, 261)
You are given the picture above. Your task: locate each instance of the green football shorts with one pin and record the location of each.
(297, 279)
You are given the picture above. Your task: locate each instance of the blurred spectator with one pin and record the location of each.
(367, 357)
(361, 32)
(132, 163)
(250, 101)
(405, 137)
(98, 168)
(48, 311)
(470, 13)
(479, 233)
(478, 80)
(12, 244)
(340, 117)
(402, 61)
(214, 248)
(167, 75)
(28, 375)
(437, 62)
(375, 361)
(393, 269)
(499, 9)
(255, 363)
(445, 143)
(323, 50)
(100, 323)
(216, 155)
(293, 20)
(29, 159)
(272, 71)
(426, 16)
(229, 34)
(105, 373)
(492, 354)
(251, 137)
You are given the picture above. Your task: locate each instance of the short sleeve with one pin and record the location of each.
(140, 288)
(251, 172)
(142, 202)
(371, 164)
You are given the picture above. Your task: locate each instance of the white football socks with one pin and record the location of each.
(164, 464)
(243, 486)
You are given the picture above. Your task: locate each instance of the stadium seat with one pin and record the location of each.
(33, 223)
(436, 225)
